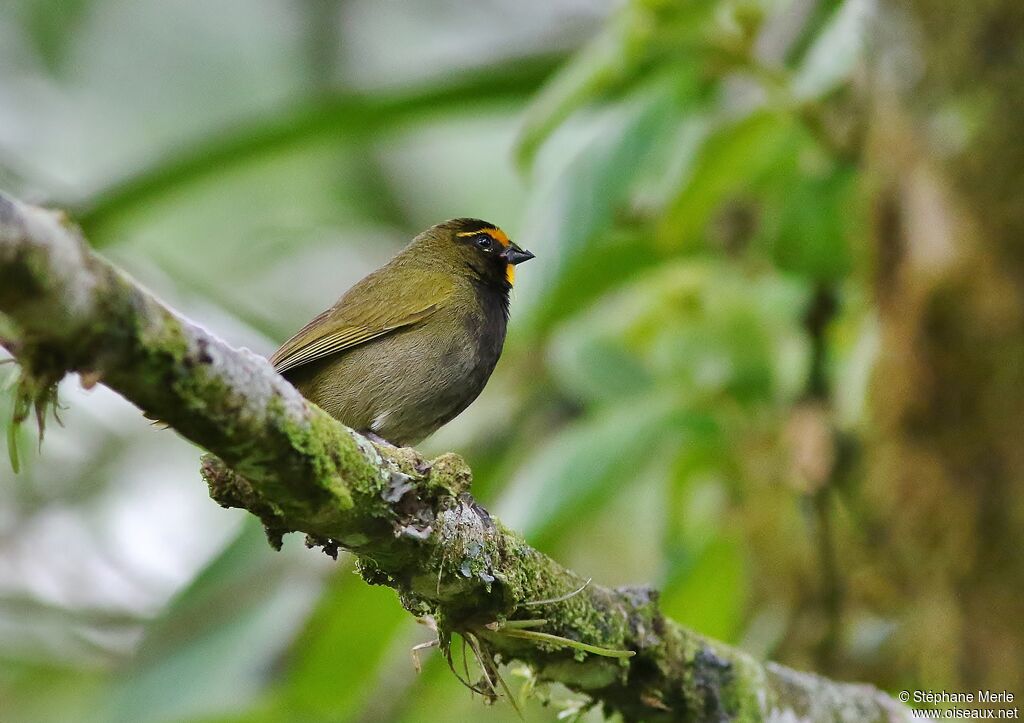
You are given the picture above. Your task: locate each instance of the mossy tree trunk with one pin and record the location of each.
(945, 474)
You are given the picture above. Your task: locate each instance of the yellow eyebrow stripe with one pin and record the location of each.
(495, 233)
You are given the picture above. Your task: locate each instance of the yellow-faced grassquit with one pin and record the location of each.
(411, 345)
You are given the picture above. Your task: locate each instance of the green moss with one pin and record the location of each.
(742, 697)
(449, 475)
(594, 615)
(163, 341)
(308, 437)
(349, 453)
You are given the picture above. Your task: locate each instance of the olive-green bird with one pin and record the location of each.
(411, 345)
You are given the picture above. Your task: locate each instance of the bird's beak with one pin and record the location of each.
(515, 255)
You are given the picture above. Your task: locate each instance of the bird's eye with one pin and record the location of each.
(485, 242)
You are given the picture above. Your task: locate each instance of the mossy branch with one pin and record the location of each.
(412, 523)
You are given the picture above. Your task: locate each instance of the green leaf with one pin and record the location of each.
(594, 69)
(52, 27)
(597, 368)
(589, 460)
(694, 329)
(570, 211)
(33, 691)
(730, 160)
(590, 356)
(697, 495)
(812, 232)
(642, 36)
(836, 51)
(709, 593)
(610, 261)
(339, 655)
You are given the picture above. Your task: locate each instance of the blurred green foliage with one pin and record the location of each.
(690, 180)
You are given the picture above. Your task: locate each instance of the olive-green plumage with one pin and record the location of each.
(411, 345)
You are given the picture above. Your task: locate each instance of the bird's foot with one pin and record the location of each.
(377, 439)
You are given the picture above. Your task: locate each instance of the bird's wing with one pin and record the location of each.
(368, 311)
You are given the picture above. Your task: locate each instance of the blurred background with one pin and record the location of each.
(770, 357)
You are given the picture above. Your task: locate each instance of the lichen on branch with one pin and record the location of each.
(412, 523)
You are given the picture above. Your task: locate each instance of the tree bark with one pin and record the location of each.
(945, 479)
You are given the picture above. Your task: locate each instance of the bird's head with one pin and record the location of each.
(477, 249)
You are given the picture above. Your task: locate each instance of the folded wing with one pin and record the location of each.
(368, 311)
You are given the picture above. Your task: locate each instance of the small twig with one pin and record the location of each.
(566, 642)
(440, 570)
(484, 670)
(415, 652)
(563, 598)
(516, 624)
(446, 648)
(490, 671)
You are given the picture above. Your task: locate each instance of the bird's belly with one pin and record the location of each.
(401, 387)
